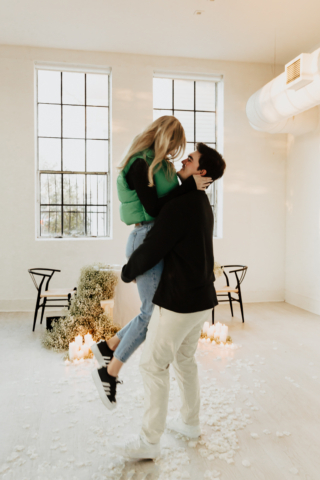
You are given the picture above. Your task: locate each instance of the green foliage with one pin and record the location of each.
(86, 314)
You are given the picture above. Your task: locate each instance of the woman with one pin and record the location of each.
(147, 181)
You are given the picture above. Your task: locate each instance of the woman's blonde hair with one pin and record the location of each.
(166, 137)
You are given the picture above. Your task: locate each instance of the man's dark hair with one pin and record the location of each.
(211, 161)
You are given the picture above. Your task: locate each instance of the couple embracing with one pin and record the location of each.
(170, 256)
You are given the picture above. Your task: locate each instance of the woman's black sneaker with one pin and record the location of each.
(107, 387)
(102, 353)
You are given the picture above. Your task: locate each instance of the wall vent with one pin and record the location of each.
(293, 71)
(299, 72)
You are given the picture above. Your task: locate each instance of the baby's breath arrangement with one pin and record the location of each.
(217, 270)
(85, 314)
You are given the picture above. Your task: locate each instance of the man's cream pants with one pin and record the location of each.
(171, 338)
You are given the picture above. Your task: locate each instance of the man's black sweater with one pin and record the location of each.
(182, 236)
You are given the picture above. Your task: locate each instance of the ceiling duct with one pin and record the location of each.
(299, 72)
(276, 107)
(293, 71)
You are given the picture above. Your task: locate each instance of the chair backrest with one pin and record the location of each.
(238, 269)
(43, 273)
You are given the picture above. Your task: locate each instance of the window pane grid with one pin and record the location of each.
(184, 110)
(73, 177)
(73, 218)
(75, 105)
(199, 122)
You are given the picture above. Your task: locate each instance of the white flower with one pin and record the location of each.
(19, 448)
(217, 270)
(4, 468)
(14, 456)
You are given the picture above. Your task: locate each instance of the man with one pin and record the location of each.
(183, 237)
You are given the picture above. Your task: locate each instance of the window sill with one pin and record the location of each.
(70, 239)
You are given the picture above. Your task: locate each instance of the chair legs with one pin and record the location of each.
(231, 307)
(43, 307)
(69, 301)
(241, 305)
(36, 312)
(230, 301)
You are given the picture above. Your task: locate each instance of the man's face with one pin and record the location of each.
(190, 166)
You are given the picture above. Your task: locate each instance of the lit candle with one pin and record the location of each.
(205, 327)
(80, 353)
(85, 349)
(73, 348)
(211, 330)
(88, 340)
(223, 333)
(222, 337)
(78, 340)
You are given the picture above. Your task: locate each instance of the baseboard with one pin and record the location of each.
(28, 305)
(262, 296)
(302, 301)
(23, 305)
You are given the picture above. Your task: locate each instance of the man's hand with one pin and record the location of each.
(202, 182)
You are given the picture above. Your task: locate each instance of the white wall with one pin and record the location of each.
(303, 222)
(254, 183)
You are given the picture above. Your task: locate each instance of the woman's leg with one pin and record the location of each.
(134, 333)
(136, 330)
(113, 342)
(135, 239)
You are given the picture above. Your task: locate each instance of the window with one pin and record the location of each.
(72, 153)
(194, 102)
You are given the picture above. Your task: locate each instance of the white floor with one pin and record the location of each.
(53, 425)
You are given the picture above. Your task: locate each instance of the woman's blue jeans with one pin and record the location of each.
(134, 333)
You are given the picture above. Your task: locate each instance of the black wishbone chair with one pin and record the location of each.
(53, 295)
(240, 272)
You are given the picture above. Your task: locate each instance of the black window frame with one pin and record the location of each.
(212, 190)
(106, 174)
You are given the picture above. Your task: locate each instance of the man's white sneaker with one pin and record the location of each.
(177, 425)
(137, 447)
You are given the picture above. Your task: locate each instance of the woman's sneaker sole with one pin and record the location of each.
(97, 381)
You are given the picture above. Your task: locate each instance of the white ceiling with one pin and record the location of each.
(227, 29)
